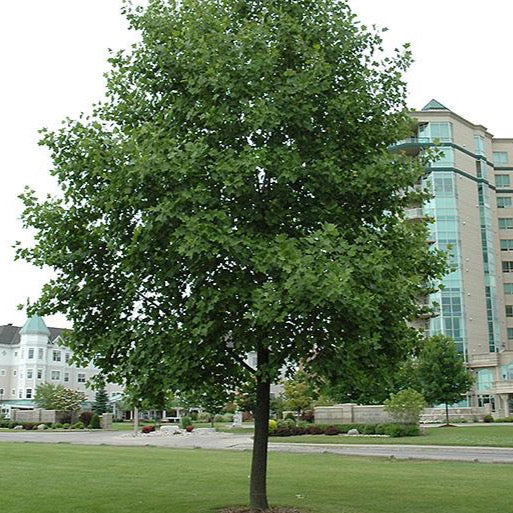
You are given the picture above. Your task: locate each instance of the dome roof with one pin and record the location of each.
(35, 326)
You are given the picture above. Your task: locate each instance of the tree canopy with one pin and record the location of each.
(236, 192)
(58, 397)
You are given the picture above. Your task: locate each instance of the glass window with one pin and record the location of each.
(31, 354)
(509, 310)
(56, 375)
(506, 244)
(502, 181)
(29, 373)
(28, 393)
(500, 157)
(446, 158)
(80, 378)
(66, 377)
(506, 223)
(484, 379)
(507, 266)
(20, 394)
(56, 356)
(39, 373)
(510, 333)
(67, 357)
(479, 144)
(40, 354)
(503, 201)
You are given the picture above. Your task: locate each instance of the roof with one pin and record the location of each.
(434, 105)
(10, 335)
(35, 326)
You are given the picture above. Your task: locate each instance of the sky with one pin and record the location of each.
(53, 54)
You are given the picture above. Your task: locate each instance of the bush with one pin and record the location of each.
(95, 422)
(148, 429)
(332, 430)
(287, 423)
(344, 428)
(57, 425)
(185, 421)
(194, 416)
(379, 429)
(406, 406)
(314, 429)
(78, 425)
(272, 426)
(30, 425)
(488, 418)
(505, 419)
(65, 425)
(308, 416)
(189, 428)
(204, 417)
(85, 417)
(290, 416)
(283, 431)
(398, 430)
(369, 429)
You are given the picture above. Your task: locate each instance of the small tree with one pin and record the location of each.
(298, 393)
(442, 373)
(101, 401)
(58, 397)
(406, 406)
(95, 422)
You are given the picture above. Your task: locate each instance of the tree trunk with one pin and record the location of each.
(446, 414)
(258, 485)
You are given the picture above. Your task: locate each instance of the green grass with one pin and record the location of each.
(485, 436)
(41, 478)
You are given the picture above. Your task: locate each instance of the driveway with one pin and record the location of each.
(241, 442)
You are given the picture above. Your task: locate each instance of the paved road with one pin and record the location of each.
(241, 442)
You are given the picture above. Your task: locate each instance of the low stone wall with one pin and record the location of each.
(106, 420)
(39, 415)
(351, 413)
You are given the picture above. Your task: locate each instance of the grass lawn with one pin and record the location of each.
(486, 435)
(41, 478)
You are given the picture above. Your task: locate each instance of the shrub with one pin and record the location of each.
(95, 422)
(332, 430)
(283, 431)
(85, 417)
(344, 428)
(194, 415)
(272, 426)
(57, 425)
(287, 423)
(505, 419)
(406, 406)
(488, 418)
(290, 416)
(308, 416)
(204, 417)
(314, 429)
(369, 429)
(148, 429)
(30, 425)
(185, 421)
(398, 430)
(65, 425)
(379, 429)
(78, 425)
(189, 428)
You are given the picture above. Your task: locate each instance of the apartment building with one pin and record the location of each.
(472, 212)
(34, 354)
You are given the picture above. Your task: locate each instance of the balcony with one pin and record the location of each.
(505, 386)
(483, 359)
(413, 145)
(415, 214)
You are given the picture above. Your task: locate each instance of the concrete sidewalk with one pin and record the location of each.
(242, 442)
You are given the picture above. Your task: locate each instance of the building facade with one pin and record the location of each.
(34, 354)
(472, 211)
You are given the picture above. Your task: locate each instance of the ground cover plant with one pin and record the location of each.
(485, 436)
(134, 480)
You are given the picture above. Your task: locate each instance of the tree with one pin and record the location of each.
(442, 372)
(406, 406)
(236, 193)
(101, 401)
(58, 397)
(299, 393)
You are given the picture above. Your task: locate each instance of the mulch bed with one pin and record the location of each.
(272, 510)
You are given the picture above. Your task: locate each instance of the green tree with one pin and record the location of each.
(406, 406)
(101, 401)
(236, 193)
(298, 393)
(442, 372)
(58, 397)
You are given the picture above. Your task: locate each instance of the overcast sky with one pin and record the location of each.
(53, 54)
